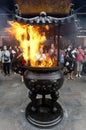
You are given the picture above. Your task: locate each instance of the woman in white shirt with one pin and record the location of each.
(6, 61)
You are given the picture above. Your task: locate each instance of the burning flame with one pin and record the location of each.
(31, 41)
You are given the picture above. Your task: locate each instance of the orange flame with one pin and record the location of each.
(31, 41)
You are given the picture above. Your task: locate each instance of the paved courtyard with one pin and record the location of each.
(14, 99)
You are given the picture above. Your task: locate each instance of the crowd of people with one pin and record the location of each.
(6, 56)
(73, 60)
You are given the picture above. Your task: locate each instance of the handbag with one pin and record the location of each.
(6, 58)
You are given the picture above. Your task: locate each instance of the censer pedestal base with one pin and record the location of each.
(43, 115)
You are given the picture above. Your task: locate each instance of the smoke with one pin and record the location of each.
(3, 19)
(3, 24)
(5, 15)
(6, 12)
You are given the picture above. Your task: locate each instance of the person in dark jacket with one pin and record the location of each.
(69, 62)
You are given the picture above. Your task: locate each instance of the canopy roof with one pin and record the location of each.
(48, 6)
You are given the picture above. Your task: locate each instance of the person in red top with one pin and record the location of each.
(79, 60)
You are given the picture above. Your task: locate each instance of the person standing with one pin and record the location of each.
(12, 52)
(84, 64)
(6, 60)
(79, 60)
(0, 59)
(69, 62)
